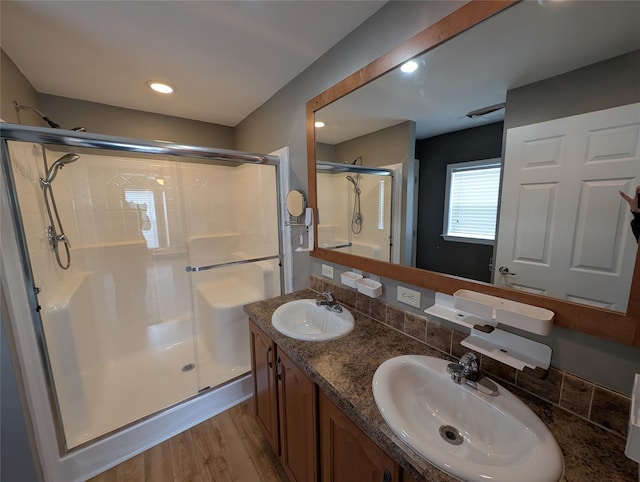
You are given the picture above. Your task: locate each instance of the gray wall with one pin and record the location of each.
(16, 457)
(393, 145)
(15, 86)
(117, 121)
(603, 85)
(17, 462)
(281, 120)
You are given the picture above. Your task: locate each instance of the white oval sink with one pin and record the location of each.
(303, 320)
(499, 438)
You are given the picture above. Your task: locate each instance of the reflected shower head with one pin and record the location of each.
(53, 170)
(355, 184)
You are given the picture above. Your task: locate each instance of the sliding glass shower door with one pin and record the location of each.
(164, 252)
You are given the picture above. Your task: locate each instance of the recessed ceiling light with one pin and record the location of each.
(410, 66)
(319, 124)
(161, 87)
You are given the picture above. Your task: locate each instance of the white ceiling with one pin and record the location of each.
(528, 42)
(225, 58)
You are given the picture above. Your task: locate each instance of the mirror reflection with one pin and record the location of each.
(555, 101)
(357, 209)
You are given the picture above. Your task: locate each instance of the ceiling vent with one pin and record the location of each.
(485, 111)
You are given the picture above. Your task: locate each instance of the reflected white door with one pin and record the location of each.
(564, 229)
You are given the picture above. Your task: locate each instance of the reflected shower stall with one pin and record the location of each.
(355, 206)
(164, 245)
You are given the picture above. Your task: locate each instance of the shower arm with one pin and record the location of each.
(52, 124)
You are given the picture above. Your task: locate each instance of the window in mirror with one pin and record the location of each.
(381, 204)
(471, 203)
(141, 207)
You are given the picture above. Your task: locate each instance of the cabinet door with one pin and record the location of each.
(265, 402)
(297, 396)
(347, 454)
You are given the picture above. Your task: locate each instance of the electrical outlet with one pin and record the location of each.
(408, 296)
(327, 271)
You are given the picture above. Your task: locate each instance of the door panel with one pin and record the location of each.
(564, 230)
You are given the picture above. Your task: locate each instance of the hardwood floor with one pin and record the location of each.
(228, 447)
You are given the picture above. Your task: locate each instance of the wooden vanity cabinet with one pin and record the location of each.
(297, 401)
(285, 405)
(302, 425)
(347, 453)
(265, 401)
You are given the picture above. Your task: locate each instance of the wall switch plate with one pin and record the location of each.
(408, 296)
(327, 271)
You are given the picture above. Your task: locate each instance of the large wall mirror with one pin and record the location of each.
(496, 163)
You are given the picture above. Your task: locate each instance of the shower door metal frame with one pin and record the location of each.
(90, 141)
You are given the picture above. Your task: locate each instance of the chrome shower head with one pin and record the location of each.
(53, 170)
(355, 184)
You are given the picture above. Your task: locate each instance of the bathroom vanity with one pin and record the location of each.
(315, 404)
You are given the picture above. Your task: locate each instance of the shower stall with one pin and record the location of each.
(137, 258)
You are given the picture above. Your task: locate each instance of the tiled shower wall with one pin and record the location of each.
(600, 406)
(336, 200)
(191, 200)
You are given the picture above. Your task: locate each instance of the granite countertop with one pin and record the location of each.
(344, 368)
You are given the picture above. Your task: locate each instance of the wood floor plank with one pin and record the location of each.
(240, 463)
(110, 475)
(226, 448)
(264, 460)
(208, 444)
(157, 463)
(185, 466)
(131, 470)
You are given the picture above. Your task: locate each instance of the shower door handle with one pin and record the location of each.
(270, 357)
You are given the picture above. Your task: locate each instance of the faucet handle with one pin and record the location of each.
(455, 370)
(328, 296)
(469, 362)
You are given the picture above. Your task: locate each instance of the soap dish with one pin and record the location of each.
(349, 278)
(369, 287)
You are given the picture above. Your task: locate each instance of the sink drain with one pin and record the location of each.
(451, 435)
(188, 367)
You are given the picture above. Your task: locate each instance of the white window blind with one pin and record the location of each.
(381, 204)
(471, 204)
(144, 202)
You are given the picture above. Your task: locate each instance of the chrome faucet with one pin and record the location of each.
(466, 371)
(327, 300)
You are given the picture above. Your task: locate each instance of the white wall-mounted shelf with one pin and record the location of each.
(369, 287)
(444, 308)
(511, 313)
(349, 278)
(513, 350)
(483, 313)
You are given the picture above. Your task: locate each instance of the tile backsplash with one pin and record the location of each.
(600, 406)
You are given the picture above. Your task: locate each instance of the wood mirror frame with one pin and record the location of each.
(619, 327)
